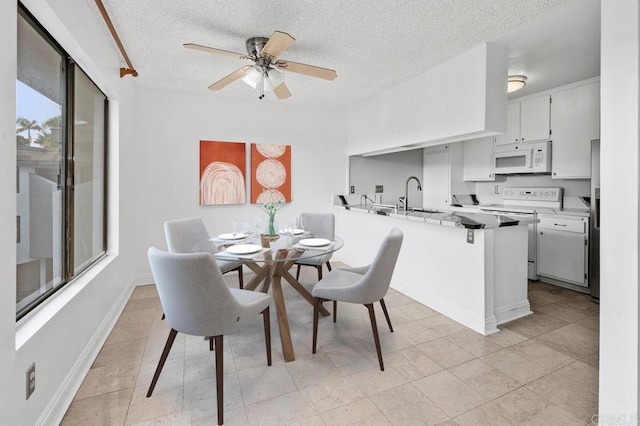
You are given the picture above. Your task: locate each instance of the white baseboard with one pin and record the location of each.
(513, 312)
(481, 325)
(143, 279)
(61, 400)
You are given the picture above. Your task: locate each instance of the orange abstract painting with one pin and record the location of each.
(270, 173)
(222, 173)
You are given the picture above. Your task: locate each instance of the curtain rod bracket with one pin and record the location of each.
(126, 71)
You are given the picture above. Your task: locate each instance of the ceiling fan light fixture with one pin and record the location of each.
(273, 79)
(516, 82)
(253, 76)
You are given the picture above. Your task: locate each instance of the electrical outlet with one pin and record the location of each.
(31, 379)
(353, 189)
(379, 189)
(470, 236)
(497, 189)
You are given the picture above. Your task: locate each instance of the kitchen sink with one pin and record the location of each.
(421, 210)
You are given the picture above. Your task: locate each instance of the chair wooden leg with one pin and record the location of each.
(240, 278)
(163, 358)
(219, 377)
(319, 267)
(335, 310)
(328, 266)
(316, 308)
(298, 273)
(386, 314)
(267, 333)
(374, 327)
(210, 343)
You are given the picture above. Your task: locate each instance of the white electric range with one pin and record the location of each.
(527, 202)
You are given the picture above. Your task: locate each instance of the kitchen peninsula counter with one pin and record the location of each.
(471, 267)
(454, 218)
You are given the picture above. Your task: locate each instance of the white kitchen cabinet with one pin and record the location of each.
(534, 119)
(443, 175)
(575, 122)
(477, 160)
(527, 121)
(512, 134)
(563, 248)
(435, 181)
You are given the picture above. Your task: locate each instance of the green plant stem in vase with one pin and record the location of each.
(271, 210)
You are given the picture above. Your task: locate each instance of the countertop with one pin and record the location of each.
(452, 218)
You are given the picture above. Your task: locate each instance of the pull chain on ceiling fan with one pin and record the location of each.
(265, 74)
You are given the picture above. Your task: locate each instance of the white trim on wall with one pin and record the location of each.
(61, 400)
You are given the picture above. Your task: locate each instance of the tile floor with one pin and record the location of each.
(541, 369)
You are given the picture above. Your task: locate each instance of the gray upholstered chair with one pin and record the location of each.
(365, 285)
(321, 225)
(190, 236)
(197, 301)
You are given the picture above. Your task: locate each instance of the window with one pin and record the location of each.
(61, 167)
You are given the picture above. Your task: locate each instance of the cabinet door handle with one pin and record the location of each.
(559, 224)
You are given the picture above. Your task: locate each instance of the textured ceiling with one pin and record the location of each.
(372, 45)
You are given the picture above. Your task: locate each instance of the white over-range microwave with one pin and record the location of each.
(522, 158)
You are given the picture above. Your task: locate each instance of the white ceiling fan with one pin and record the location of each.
(265, 74)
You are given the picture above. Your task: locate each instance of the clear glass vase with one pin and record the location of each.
(271, 230)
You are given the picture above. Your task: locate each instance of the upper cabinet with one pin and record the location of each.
(477, 159)
(527, 121)
(575, 122)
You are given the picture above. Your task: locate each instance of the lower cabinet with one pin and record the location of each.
(563, 248)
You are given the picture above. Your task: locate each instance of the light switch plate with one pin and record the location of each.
(470, 236)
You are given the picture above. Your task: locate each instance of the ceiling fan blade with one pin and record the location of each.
(310, 70)
(214, 50)
(278, 43)
(282, 91)
(239, 73)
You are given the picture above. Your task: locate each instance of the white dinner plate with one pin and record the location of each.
(229, 236)
(244, 249)
(296, 231)
(314, 242)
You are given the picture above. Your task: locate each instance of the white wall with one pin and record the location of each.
(619, 249)
(8, 66)
(169, 126)
(389, 170)
(62, 335)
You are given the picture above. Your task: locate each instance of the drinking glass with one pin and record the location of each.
(245, 228)
(303, 223)
(257, 223)
(234, 231)
(289, 230)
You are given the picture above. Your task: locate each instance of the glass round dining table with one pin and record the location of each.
(271, 261)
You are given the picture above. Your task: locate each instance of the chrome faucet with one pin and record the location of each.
(406, 192)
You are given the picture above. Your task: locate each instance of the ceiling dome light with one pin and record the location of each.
(516, 82)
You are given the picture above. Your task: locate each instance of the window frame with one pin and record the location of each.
(67, 163)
